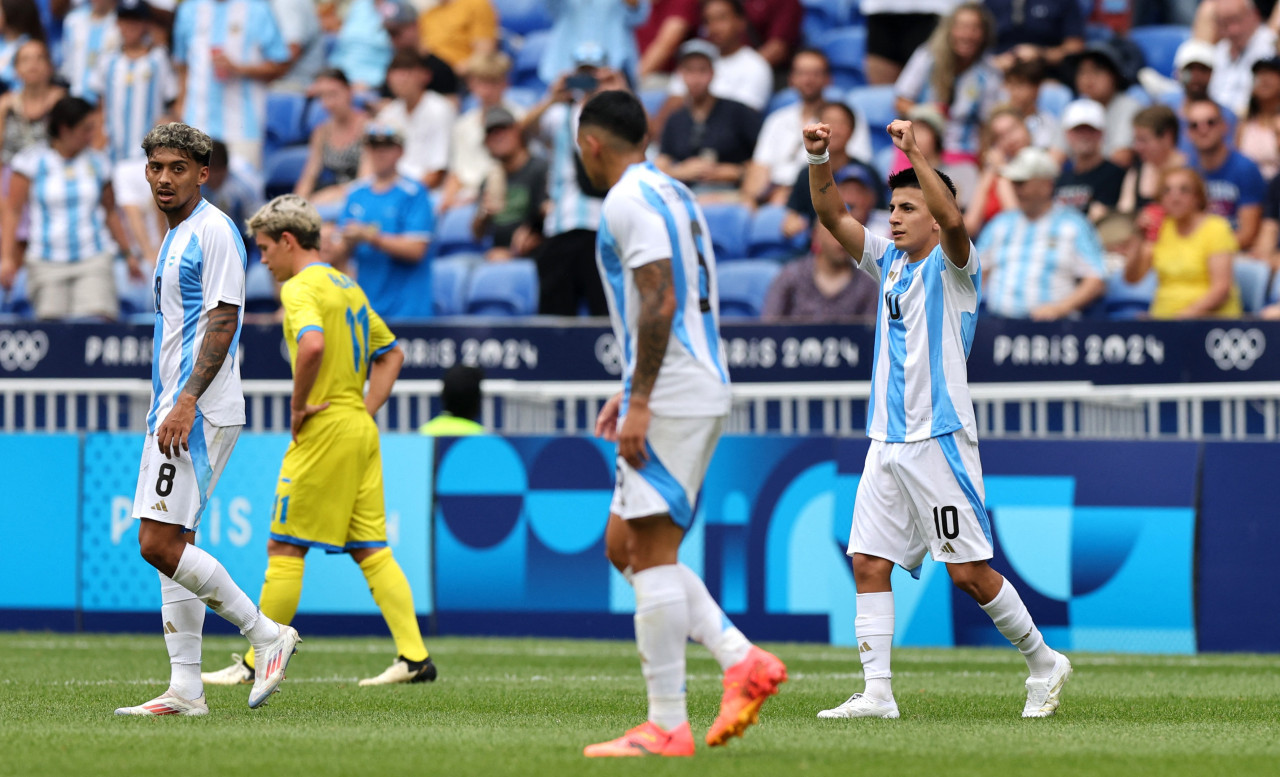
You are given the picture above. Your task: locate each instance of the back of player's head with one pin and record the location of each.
(460, 393)
(288, 213)
(618, 113)
(67, 113)
(906, 178)
(182, 138)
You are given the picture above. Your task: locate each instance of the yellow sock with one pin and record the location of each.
(280, 591)
(391, 592)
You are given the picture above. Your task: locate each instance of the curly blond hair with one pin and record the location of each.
(289, 213)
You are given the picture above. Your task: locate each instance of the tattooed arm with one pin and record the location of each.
(653, 333)
(176, 428)
(827, 202)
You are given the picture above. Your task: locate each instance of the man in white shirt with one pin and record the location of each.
(741, 73)
(779, 154)
(422, 116)
(1245, 40)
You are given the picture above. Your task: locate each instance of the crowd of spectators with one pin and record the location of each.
(1084, 161)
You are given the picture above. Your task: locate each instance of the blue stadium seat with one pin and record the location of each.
(503, 289)
(284, 119)
(823, 15)
(15, 302)
(1274, 294)
(1053, 98)
(1124, 301)
(449, 282)
(876, 105)
(522, 16)
(283, 167)
(846, 48)
(1159, 43)
(453, 232)
(742, 287)
(136, 296)
(1253, 276)
(259, 289)
(524, 70)
(313, 116)
(884, 159)
(765, 239)
(728, 224)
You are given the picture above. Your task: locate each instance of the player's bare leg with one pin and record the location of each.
(874, 628)
(1049, 669)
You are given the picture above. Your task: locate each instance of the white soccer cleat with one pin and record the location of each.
(272, 660)
(168, 703)
(1044, 694)
(404, 671)
(862, 706)
(239, 673)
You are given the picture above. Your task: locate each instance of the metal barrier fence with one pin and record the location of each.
(1221, 411)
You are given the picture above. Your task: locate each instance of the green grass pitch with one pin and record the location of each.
(526, 707)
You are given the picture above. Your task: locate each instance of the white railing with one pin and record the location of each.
(1223, 411)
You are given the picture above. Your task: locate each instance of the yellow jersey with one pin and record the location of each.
(322, 299)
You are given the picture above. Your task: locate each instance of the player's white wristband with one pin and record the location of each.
(816, 159)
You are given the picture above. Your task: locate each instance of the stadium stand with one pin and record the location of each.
(503, 289)
(728, 224)
(1253, 276)
(743, 285)
(449, 278)
(765, 239)
(1159, 43)
(846, 49)
(453, 232)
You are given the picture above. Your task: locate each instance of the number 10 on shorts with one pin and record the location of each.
(946, 521)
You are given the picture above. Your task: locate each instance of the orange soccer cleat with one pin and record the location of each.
(645, 739)
(746, 686)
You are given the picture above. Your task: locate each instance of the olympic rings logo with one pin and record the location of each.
(22, 350)
(609, 354)
(1235, 348)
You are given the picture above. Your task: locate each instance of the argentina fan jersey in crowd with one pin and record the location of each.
(233, 109)
(924, 330)
(202, 262)
(68, 223)
(648, 216)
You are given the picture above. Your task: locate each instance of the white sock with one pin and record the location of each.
(1014, 621)
(874, 629)
(708, 625)
(662, 626)
(183, 616)
(202, 575)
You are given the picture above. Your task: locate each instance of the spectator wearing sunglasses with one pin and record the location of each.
(1236, 190)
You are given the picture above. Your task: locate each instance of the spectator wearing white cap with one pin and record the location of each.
(707, 142)
(1089, 182)
(1193, 70)
(1043, 260)
(1243, 40)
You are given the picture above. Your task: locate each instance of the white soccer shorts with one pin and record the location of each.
(679, 451)
(922, 496)
(176, 490)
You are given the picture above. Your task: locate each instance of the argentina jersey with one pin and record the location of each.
(201, 263)
(924, 330)
(570, 208)
(230, 109)
(68, 223)
(86, 40)
(648, 216)
(133, 93)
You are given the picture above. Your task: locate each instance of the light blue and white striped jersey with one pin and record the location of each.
(9, 52)
(65, 203)
(86, 40)
(1033, 263)
(570, 208)
(647, 217)
(233, 110)
(201, 263)
(924, 330)
(133, 93)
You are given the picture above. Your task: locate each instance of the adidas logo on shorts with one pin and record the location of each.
(161, 506)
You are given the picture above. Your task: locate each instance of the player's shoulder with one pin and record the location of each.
(213, 227)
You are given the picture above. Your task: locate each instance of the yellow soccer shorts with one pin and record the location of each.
(329, 495)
